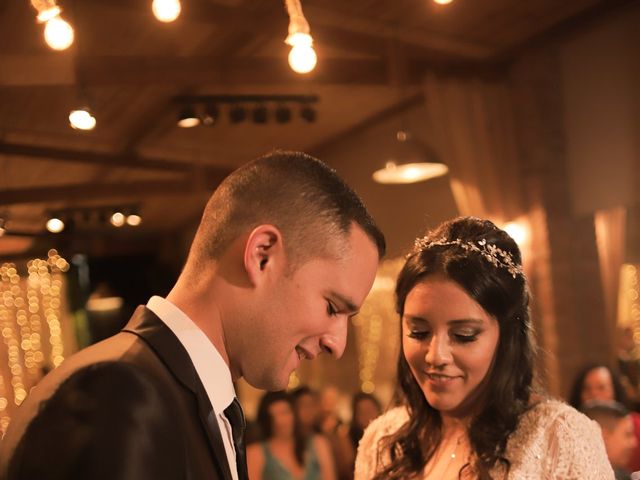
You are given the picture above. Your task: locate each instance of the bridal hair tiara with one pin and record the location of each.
(491, 253)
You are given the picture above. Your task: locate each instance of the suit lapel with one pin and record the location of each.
(146, 325)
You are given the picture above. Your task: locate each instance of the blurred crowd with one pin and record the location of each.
(300, 434)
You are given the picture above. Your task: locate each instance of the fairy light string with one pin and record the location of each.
(30, 312)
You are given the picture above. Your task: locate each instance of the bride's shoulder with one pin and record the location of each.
(386, 424)
(370, 455)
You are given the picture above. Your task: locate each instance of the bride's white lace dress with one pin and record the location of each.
(553, 441)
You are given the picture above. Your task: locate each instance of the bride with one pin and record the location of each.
(466, 407)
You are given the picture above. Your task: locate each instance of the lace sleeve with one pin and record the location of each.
(368, 450)
(576, 449)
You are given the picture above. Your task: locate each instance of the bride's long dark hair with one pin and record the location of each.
(505, 392)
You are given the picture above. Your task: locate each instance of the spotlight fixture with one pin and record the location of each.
(188, 118)
(211, 114)
(117, 219)
(134, 220)
(237, 114)
(308, 114)
(55, 224)
(283, 114)
(91, 217)
(132, 217)
(302, 57)
(82, 119)
(260, 115)
(166, 10)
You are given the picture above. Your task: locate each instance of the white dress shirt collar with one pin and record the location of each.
(211, 368)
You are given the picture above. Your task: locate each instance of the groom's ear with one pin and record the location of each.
(263, 252)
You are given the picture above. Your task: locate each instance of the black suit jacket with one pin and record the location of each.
(149, 344)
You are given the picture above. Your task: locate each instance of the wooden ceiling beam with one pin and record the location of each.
(187, 72)
(92, 191)
(352, 28)
(93, 158)
(205, 181)
(325, 17)
(29, 70)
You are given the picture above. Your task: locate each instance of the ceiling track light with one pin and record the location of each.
(94, 216)
(265, 108)
(302, 57)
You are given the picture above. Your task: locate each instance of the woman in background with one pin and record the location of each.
(365, 408)
(283, 455)
(599, 382)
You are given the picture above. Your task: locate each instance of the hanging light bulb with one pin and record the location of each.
(302, 57)
(48, 13)
(58, 33)
(82, 119)
(47, 9)
(166, 10)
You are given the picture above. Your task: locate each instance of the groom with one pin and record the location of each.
(285, 253)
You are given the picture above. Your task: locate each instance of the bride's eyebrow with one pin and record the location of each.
(466, 321)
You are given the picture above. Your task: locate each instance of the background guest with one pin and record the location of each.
(617, 432)
(599, 382)
(282, 454)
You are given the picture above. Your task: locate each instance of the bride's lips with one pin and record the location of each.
(440, 380)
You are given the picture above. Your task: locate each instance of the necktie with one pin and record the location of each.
(236, 418)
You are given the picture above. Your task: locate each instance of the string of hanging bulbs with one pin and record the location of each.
(59, 34)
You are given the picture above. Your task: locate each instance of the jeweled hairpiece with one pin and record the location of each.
(490, 252)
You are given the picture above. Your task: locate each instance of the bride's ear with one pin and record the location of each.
(263, 252)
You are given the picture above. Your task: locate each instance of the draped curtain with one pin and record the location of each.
(610, 238)
(475, 136)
